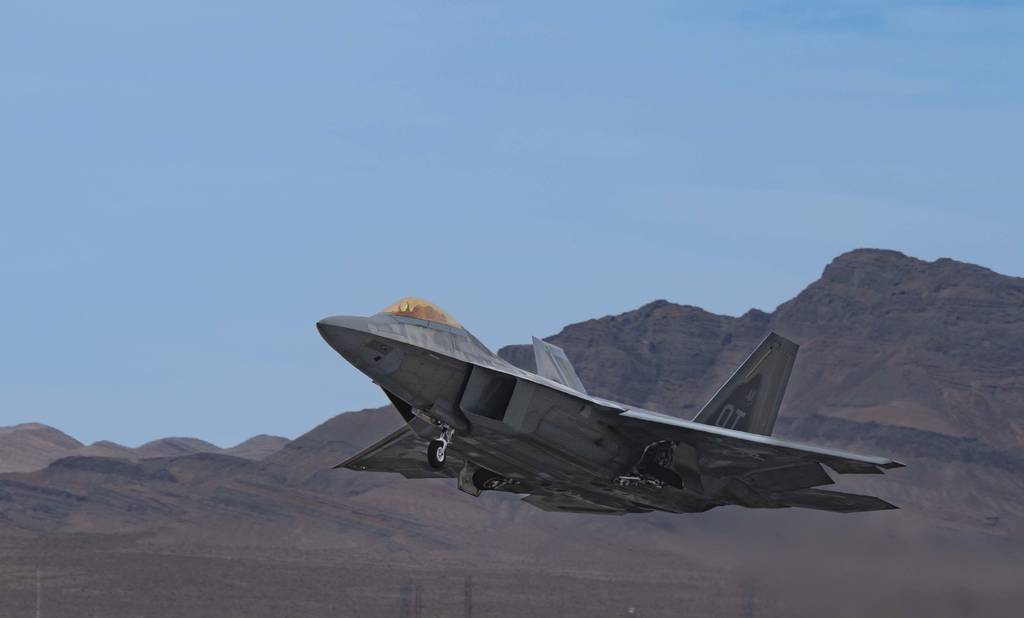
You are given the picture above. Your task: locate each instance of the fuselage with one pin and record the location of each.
(515, 423)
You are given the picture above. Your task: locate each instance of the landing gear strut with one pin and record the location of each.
(438, 448)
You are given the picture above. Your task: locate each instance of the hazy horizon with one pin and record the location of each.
(188, 188)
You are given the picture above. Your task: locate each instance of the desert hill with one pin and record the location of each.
(31, 446)
(258, 447)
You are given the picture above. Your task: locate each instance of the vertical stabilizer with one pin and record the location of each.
(749, 401)
(553, 364)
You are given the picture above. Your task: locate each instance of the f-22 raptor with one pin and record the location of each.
(495, 427)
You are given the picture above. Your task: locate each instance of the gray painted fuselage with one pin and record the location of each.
(550, 439)
(569, 450)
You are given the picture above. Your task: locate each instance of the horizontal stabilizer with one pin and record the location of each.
(789, 478)
(553, 364)
(839, 502)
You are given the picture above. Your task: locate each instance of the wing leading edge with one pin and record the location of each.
(401, 451)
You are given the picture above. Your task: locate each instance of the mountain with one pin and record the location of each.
(102, 448)
(174, 447)
(258, 447)
(31, 446)
(900, 357)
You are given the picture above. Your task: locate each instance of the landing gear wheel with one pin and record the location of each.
(436, 453)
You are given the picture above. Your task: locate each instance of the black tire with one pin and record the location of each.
(436, 453)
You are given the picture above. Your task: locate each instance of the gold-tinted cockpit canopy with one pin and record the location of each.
(421, 309)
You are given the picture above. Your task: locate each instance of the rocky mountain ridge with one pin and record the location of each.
(936, 346)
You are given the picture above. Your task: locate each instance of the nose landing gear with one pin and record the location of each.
(437, 449)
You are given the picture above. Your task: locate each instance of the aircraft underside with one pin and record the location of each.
(492, 459)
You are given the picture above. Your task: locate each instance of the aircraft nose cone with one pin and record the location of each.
(350, 322)
(344, 333)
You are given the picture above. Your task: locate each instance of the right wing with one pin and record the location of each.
(403, 452)
(755, 470)
(727, 452)
(836, 501)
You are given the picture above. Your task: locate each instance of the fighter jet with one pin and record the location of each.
(495, 427)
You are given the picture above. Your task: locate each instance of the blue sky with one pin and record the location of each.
(186, 188)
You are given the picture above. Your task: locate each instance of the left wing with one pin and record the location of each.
(402, 451)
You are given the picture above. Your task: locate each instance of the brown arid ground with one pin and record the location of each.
(921, 361)
(660, 570)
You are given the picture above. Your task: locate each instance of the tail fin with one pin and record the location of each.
(750, 400)
(553, 364)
